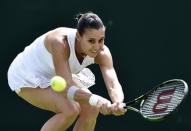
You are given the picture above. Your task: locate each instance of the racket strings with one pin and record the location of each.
(84, 78)
(163, 100)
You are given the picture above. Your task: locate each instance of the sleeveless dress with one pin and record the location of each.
(34, 66)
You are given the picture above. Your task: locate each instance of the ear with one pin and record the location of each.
(78, 35)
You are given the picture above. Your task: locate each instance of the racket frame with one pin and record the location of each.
(143, 97)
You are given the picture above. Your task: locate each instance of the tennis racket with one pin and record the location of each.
(161, 101)
(84, 79)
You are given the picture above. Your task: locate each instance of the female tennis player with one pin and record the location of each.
(64, 52)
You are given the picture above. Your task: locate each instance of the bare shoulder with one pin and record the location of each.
(56, 40)
(104, 57)
(58, 33)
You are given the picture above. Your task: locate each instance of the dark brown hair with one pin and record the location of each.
(88, 20)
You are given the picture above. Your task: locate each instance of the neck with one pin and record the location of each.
(79, 53)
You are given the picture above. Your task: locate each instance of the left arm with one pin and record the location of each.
(113, 86)
(104, 59)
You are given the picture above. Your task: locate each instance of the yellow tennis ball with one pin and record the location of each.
(58, 84)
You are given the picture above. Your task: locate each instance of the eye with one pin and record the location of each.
(92, 41)
(101, 40)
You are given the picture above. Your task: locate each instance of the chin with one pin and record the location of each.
(92, 55)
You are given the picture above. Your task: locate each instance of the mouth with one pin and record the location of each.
(94, 53)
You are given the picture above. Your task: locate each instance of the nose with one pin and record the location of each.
(96, 46)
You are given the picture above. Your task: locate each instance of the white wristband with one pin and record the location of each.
(71, 92)
(93, 99)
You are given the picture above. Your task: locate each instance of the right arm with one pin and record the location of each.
(56, 43)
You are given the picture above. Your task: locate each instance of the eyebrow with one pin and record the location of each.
(99, 39)
(93, 38)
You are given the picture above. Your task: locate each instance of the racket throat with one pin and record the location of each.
(132, 109)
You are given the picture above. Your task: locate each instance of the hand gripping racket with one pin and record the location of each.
(161, 101)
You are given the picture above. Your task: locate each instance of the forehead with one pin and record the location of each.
(94, 33)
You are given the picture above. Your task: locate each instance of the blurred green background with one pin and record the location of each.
(149, 40)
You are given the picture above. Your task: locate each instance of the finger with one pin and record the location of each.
(118, 109)
(106, 109)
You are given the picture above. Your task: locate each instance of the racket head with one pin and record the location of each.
(84, 79)
(164, 99)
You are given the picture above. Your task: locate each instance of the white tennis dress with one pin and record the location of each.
(34, 66)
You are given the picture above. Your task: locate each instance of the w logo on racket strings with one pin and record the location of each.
(163, 100)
